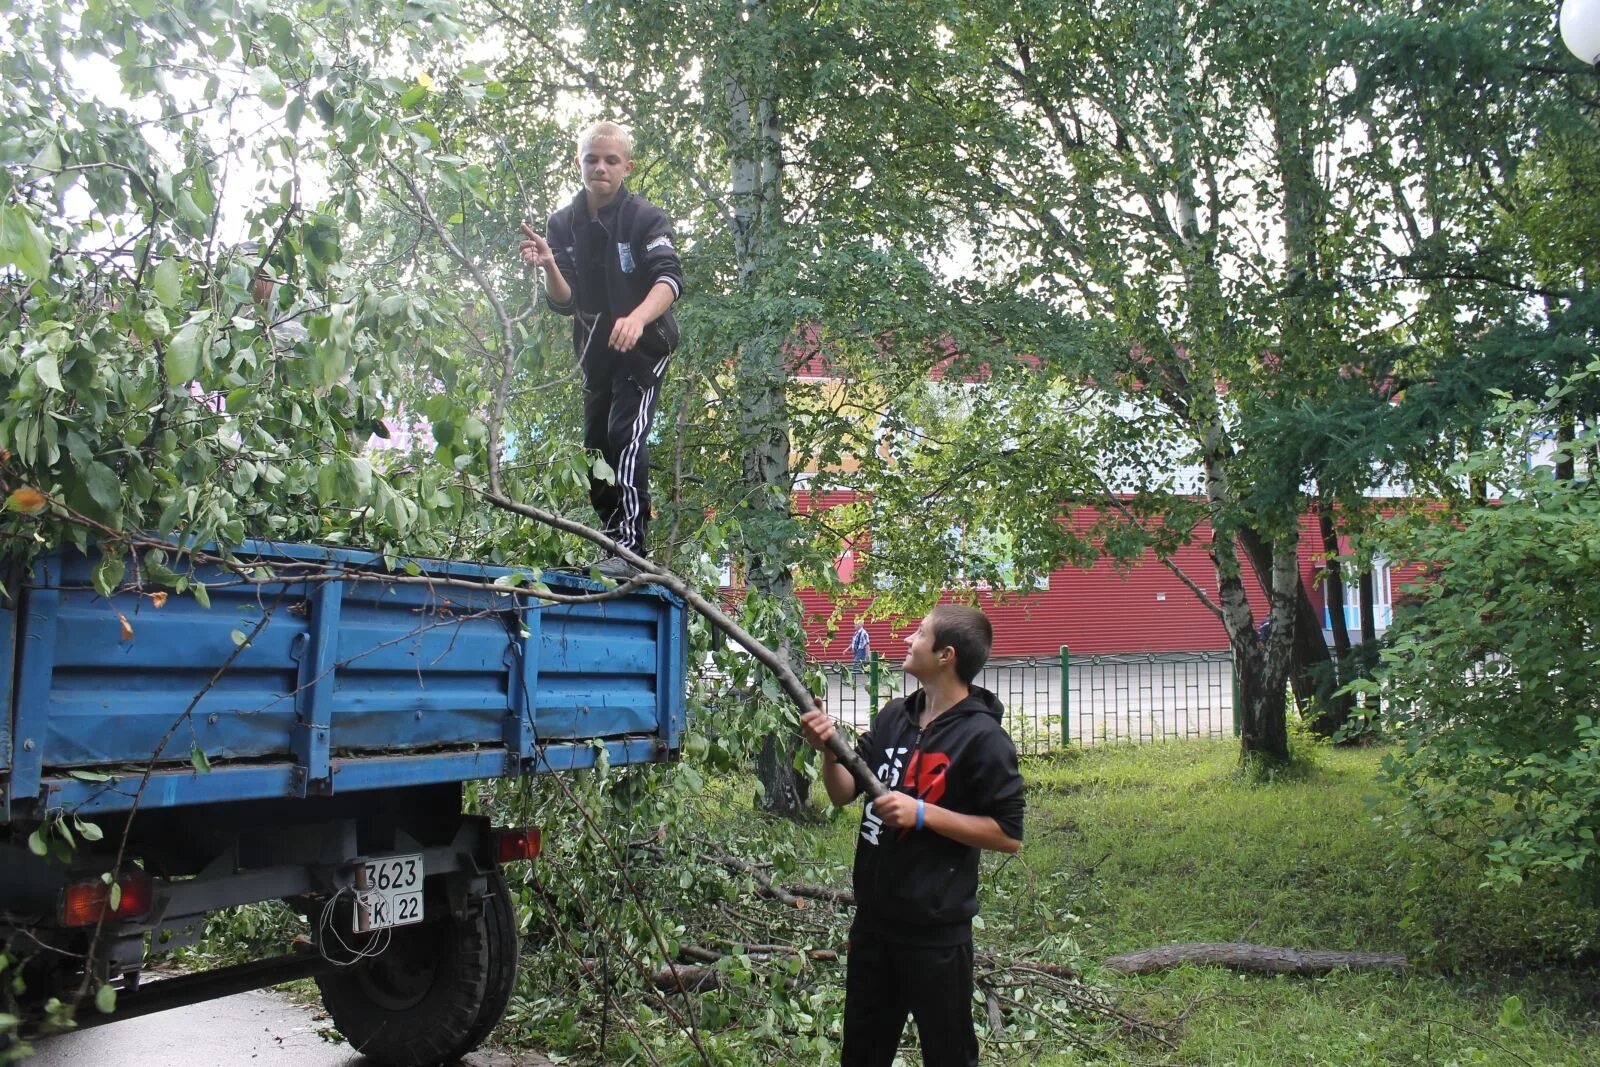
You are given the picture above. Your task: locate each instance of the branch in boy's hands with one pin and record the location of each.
(656, 574)
(857, 767)
(819, 732)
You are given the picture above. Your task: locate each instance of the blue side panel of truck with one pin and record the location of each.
(8, 655)
(300, 684)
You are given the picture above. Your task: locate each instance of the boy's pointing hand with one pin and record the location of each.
(536, 250)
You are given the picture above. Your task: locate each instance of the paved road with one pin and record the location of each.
(264, 1027)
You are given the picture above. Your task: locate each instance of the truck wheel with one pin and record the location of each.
(435, 993)
(8, 1006)
(500, 920)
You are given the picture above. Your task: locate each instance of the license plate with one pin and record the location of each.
(388, 892)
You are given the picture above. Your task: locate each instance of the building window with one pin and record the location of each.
(1382, 598)
(985, 559)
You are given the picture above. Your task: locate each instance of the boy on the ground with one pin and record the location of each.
(608, 261)
(954, 790)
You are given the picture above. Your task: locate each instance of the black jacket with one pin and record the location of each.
(916, 886)
(638, 254)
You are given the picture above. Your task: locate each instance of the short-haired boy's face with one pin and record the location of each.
(923, 661)
(604, 163)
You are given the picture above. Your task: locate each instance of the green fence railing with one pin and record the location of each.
(1073, 699)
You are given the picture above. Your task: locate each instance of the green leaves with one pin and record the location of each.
(270, 87)
(22, 243)
(155, 322)
(285, 43)
(1490, 680)
(48, 371)
(168, 283)
(108, 574)
(153, 382)
(183, 355)
(105, 488)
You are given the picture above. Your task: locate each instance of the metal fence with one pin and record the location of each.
(1073, 700)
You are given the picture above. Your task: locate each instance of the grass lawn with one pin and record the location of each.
(1127, 848)
(1142, 846)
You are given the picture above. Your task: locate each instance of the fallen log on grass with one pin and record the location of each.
(1253, 959)
(695, 971)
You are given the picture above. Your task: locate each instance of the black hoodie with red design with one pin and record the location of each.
(917, 886)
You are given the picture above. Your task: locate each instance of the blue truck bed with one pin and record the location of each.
(350, 684)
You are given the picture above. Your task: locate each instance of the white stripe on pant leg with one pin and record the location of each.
(628, 461)
(631, 507)
(634, 508)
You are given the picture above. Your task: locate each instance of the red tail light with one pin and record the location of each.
(517, 843)
(86, 903)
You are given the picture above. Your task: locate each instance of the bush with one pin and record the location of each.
(1492, 682)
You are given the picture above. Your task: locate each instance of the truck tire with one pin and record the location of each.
(500, 919)
(8, 1006)
(435, 993)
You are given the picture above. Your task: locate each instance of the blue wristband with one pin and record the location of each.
(919, 814)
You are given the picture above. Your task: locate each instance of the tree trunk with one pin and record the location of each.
(1309, 651)
(1263, 706)
(1305, 324)
(1260, 674)
(1566, 436)
(755, 157)
(1333, 711)
(1333, 585)
(1369, 625)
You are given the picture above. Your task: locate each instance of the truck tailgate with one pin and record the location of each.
(349, 682)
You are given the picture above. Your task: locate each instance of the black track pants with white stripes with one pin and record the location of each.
(886, 982)
(619, 402)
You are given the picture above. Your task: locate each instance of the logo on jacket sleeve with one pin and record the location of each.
(889, 774)
(625, 256)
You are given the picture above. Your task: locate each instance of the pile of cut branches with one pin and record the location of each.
(726, 943)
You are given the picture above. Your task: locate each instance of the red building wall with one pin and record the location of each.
(1093, 610)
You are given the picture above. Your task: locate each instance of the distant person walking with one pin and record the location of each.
(860, 647)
